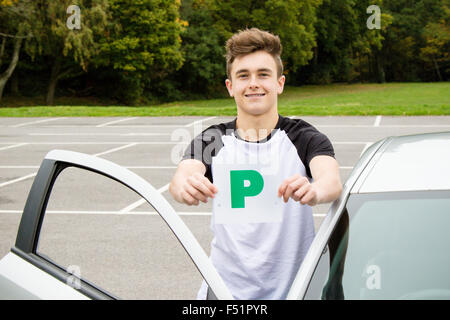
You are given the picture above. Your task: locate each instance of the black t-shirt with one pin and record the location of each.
(306, 139)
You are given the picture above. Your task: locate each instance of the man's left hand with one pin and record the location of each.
(299, 189)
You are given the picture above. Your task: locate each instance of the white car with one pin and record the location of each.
(386, 237)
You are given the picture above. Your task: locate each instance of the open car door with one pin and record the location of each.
(26, 274)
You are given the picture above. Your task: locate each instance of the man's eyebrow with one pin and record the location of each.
(265, 70)
(259, 70)
(241, 71)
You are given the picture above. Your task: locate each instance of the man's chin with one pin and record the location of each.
(255, 110)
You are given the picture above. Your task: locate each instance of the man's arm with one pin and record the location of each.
(189, 184)
(325, 172)
(326, 187)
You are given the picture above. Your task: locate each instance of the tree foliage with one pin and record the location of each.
(142, 43)
(144, 51)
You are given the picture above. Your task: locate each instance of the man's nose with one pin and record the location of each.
(253, 82)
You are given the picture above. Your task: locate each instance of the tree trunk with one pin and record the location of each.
(380, 70)
(54, 76)
(12, 65)
(15, 84)
(437, 69)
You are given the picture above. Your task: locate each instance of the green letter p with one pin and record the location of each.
(238, 188)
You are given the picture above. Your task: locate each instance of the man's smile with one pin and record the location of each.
(251, 95)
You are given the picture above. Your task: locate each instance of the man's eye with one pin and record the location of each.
(264, 74)
(242, 76)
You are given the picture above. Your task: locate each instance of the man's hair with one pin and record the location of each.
(251, 40)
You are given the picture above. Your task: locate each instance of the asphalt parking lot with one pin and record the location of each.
(105, 231)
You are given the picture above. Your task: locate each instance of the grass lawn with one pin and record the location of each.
(335, 99)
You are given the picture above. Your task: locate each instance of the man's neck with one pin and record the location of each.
(255, 128)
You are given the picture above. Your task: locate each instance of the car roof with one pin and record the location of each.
(408, 163)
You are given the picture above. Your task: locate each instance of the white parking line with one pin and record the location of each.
(99, 134)
(33, 122)
(13, 146)
(92, 143)
(18, 179)
(377, 121)
(142, 201)
(114, 150)
(114, 121)
(143, 143)
(128, 167)
(120, 126)
(151, 213)
(35, 173)
(199, 121)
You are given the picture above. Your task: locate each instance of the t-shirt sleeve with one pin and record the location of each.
(309, 143)
(319, 144)
(204, 147)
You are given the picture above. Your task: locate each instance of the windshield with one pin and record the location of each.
(387, 246)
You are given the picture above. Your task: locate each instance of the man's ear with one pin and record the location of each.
(281, 81)
(229, 87)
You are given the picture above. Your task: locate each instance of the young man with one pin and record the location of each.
(258, 251)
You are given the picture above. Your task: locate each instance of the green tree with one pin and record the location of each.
(212, 22)
(15, 21)
(142, 44)
(70, 50)
(335, 28)
(410, 44)
(292, 20)
(203, 71)
(436, 51)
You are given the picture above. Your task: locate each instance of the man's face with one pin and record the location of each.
(254, 83)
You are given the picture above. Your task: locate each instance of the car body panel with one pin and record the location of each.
(23, 280)
(410, 163)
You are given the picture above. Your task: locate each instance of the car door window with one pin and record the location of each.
(387, 246)
(89, 231)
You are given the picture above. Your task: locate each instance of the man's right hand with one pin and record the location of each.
(189, 184)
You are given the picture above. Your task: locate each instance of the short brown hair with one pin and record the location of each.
(251, 40)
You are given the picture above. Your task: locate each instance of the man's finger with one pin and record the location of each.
(285, 183)
(291, 188)
(297, 196)
(196, 194)
(209, 185)
(307, 197)
(188, 199)
(200, 185)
